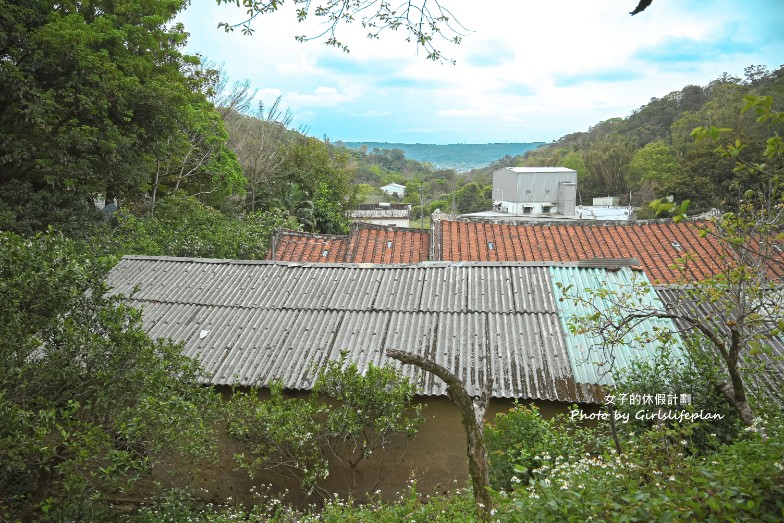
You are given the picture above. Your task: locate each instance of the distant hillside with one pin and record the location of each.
(460, 156)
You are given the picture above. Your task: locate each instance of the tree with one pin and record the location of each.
(652, 167)
(183, 226)
(607, 162)
(260, 141)
(195, 157)
(427, 23)
(301, 438)
(88, 402)
(738, 310)
(472, 412)
(471, 198)
(86, 92)
(323, 173)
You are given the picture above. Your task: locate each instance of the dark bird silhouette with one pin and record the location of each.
(641, 7)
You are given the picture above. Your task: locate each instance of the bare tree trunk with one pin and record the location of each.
(472, 411)
(155, 186)
(735, 391)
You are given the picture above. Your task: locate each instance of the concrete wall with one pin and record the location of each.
(390, 222)
(435, 457)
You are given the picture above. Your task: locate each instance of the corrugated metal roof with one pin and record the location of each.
(770, 379)
(250, 323)
(592, 361)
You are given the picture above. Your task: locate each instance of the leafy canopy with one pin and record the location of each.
(88, 402)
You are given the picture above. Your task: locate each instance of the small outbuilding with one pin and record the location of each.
(250, 323)
(394, 189)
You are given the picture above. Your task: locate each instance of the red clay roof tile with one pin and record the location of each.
(366, 243)
(658, 246)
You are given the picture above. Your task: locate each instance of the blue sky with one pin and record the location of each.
(527, 71)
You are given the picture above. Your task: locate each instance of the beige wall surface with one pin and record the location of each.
(435, 458)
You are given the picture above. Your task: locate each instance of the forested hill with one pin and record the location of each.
(459, 156)
(652, 153)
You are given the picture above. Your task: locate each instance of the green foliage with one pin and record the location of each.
(25, 210)
(89, 402)
(297, 437)
(313, 182)
(658, 481)
(521, 440)
(280, 434)
(652, 153)
(87, 89)
(693, 373)
(411, 505)
(654, 165)
(473, 198)
(183, 226)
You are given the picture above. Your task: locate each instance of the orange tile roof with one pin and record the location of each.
(657, 245)
(366, 243)
(382, 244)
(297, 246)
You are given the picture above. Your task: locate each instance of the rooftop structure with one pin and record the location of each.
(250, 323)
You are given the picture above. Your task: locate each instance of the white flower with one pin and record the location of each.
(684, 442)
(515, 479)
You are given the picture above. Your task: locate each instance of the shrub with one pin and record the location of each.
(521, 440)
(659, 481)
(692, 375)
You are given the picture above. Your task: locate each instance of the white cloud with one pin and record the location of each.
(528, 71)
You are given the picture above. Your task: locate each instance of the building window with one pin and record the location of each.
(546, 209)
(527, 209)
(547, 191)
(528, 191)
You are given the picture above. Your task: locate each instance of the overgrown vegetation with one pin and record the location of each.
(88, 402)
(521, 440)
(112, 142)
(305, 438)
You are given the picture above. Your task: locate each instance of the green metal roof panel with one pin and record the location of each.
(591, 361)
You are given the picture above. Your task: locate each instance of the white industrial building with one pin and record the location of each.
(535, 190)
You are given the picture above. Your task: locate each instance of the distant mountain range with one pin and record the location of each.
(459, 156)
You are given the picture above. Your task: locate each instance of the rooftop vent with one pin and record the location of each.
(389, 245)
(324, 253)
(490, 245)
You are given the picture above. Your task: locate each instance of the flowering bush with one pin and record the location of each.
(521, 440)
(659, 481)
